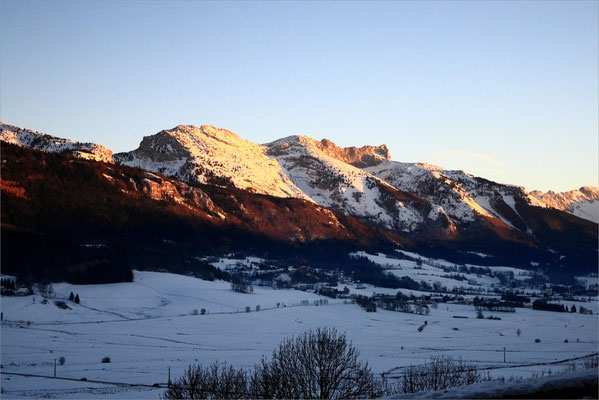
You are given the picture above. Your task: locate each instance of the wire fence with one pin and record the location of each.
(389, 374)
(126, 384)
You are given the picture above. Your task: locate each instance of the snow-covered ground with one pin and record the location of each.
(587, 210)
(149, 326)
(588, 280)
(227, 264)
(431, 271)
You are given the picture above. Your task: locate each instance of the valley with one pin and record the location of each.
(299, 200)
(200, 247)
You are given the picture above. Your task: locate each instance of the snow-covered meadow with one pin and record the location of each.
(150, 325)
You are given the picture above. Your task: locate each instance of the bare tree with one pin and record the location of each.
(218, 381)
(226, 382)
(318, 364)
(188, 386)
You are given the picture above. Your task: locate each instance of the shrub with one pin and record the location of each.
(62, 305)
(591, 362)
(367, 303)
(537, 340)
(438, 374)
(61, 360)
(106, 360)
(203, 311)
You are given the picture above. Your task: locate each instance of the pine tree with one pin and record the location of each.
(77, 298)
(71, 296)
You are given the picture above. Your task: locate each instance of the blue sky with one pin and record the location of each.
(504, 90)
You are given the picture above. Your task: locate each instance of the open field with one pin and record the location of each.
(149, 325)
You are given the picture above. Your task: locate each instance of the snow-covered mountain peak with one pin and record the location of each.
(212, 132)
(358, 157)
(456, 194)
(590, 191)
(562, 200)
(51, 144)
(321, 169)
(190, 135)
(293, 140)
(211, 155)
(583, 202)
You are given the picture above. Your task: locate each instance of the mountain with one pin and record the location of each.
(583, 202)
(424, 202)
(211, 155)
(39, 141)
(206, 190)
(456, 196)
(320, 170)
(324, 173)
(62, 215)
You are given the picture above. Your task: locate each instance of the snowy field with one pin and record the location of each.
(149, 326)
(431, 271)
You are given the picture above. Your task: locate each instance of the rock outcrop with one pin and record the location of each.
(366, 156)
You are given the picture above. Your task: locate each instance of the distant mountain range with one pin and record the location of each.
(583, 202)
(315, 191)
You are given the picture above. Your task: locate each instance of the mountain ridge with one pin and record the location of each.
(582, 202)
(61, 195)
(52, 144)
(363, 181)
